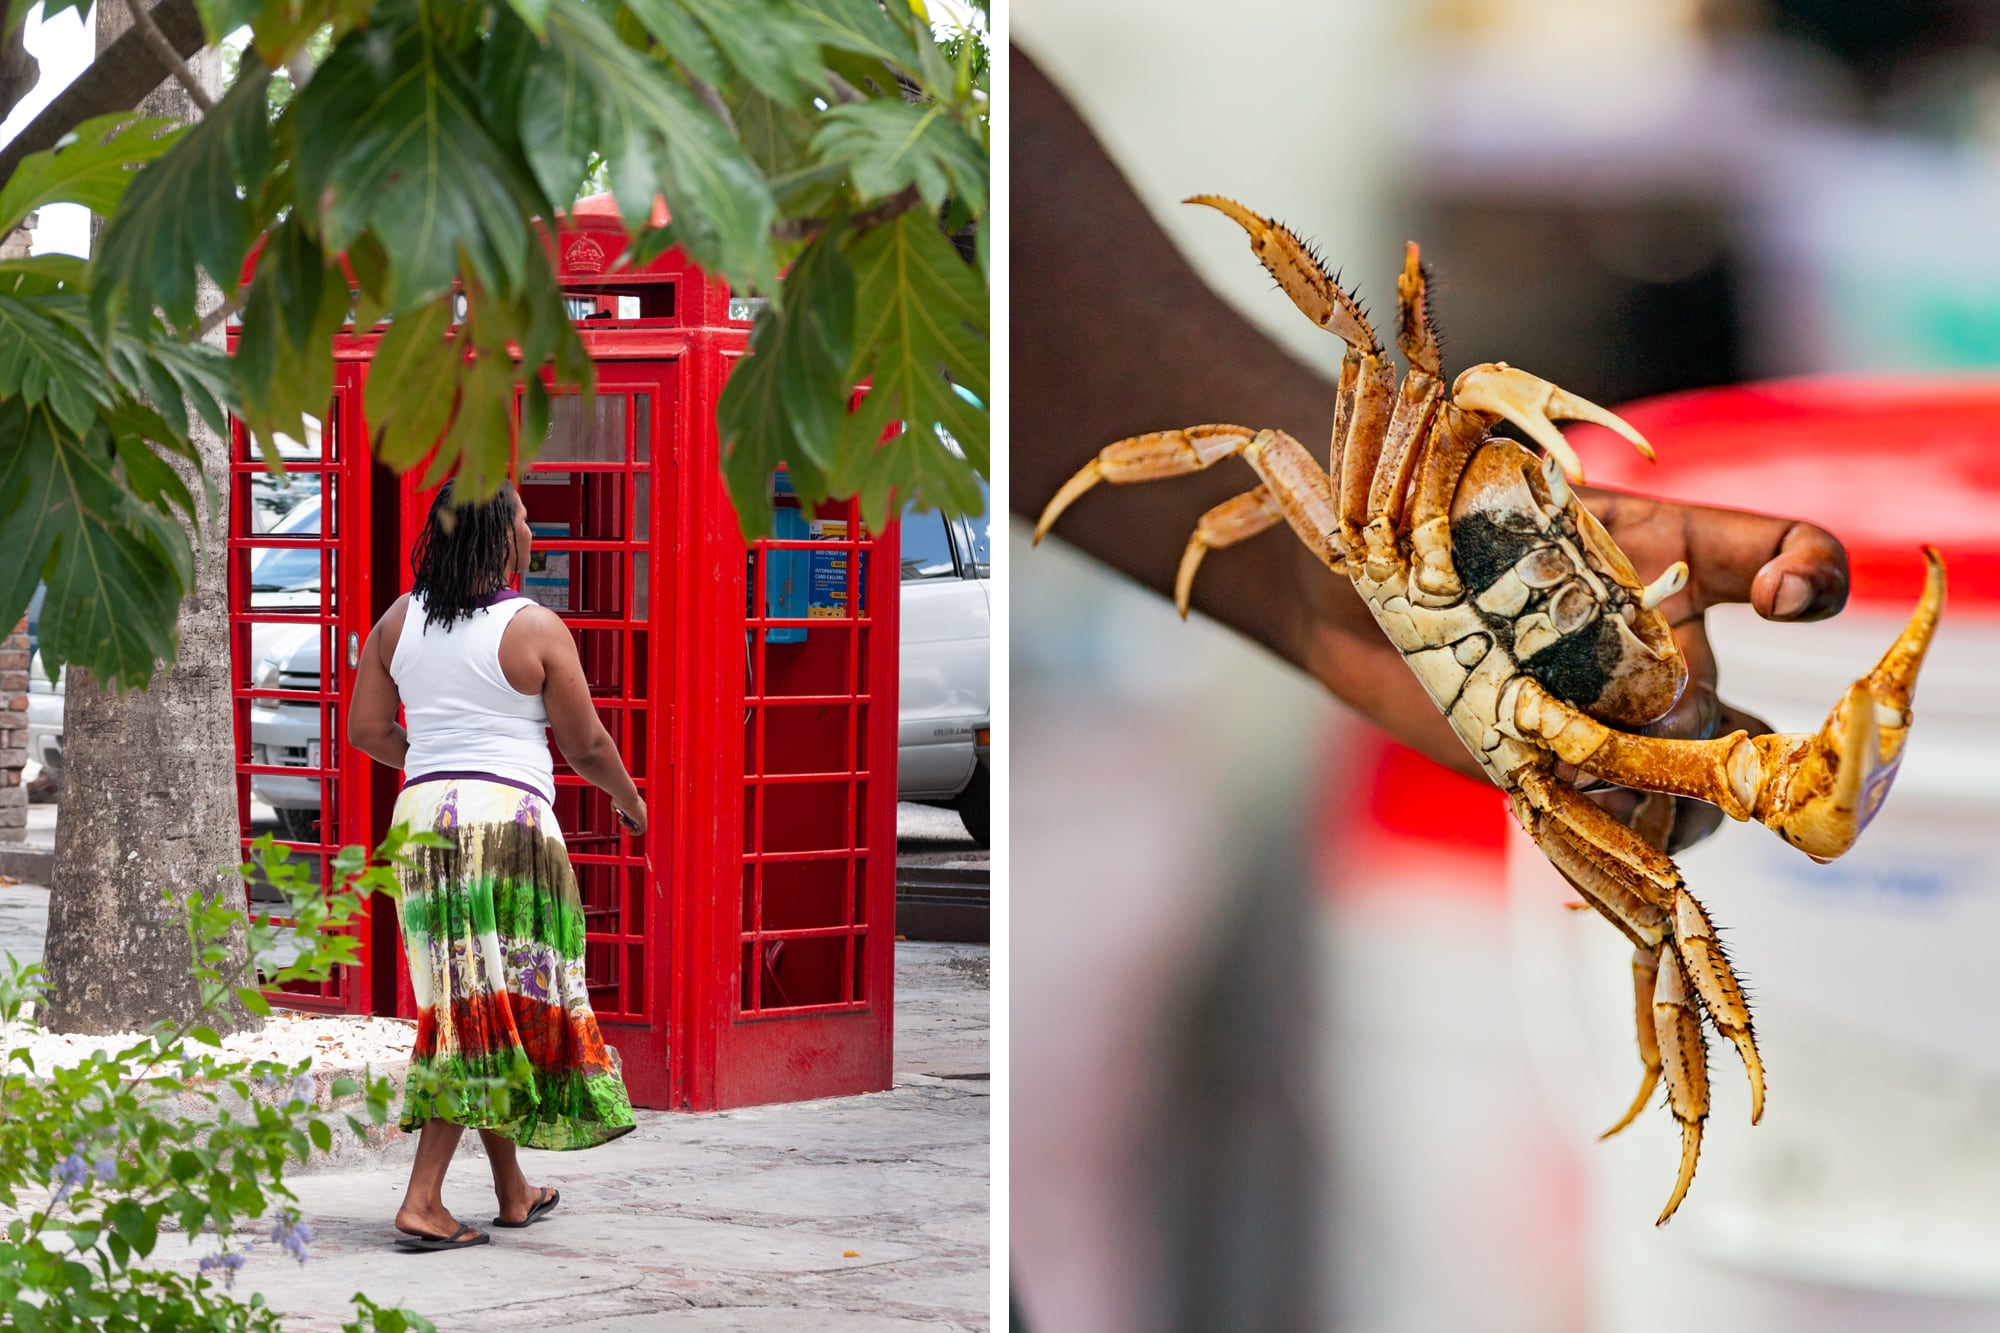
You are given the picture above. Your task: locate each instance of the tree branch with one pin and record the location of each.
(801, 229)
(18, 68)
(711, 99)
(156, 41)
(121, 76)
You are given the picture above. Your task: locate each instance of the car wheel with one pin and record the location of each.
(974, 806)
(299, 825)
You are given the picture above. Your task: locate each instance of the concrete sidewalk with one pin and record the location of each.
(732, 1220)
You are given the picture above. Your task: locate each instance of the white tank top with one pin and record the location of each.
(461, 714)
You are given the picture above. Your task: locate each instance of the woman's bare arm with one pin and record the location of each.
(371, 710)
(586, 745)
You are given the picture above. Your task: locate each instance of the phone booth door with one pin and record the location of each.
(600, 501)
(797, 956)
(300, 605)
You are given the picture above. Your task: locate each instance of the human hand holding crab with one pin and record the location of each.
(1527, 626)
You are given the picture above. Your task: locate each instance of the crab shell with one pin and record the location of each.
(1558, 593)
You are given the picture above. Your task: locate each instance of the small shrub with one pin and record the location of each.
(97, 1158)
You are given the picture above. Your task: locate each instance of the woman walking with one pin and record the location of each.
(492, 923)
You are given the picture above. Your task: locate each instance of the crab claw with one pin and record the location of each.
(1535, 405)
(1820, 791)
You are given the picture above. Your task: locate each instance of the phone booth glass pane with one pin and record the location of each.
(290, 540)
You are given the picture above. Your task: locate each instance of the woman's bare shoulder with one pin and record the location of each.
(389, 628)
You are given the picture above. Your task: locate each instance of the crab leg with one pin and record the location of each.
(1236, 519)
(1294, 484)
(1645, 977)
(1684, 1059)
(1410, 424)
(1639, 889)
(1154, 457)
(1367, 379)
(1818, 791)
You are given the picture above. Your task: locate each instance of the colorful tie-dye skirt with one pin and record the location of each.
(493, 928)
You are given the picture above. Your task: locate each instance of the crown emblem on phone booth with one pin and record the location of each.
(583, 255)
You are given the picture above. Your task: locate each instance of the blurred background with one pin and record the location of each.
(1302, 1037)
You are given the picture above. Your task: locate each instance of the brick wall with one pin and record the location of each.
(13, 733)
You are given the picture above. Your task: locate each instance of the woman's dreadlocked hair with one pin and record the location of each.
(461, 557)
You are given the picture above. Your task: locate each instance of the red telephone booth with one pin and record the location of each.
(743, 950)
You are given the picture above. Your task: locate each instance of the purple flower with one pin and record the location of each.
(302, 1089)
(106, 1167)
(292, 1233)
(227, 1262)
(69, 1174)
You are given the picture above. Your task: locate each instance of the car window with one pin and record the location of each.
(288, 570)
(926, 545)
(980, 548)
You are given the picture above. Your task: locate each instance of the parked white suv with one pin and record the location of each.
(945, 720)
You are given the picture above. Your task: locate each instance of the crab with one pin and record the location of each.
(1537, 640)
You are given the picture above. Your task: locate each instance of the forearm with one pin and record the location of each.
(386, 745)
(1112, 336)
(600, 764)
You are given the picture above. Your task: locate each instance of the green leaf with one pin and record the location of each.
(92, 166)
(183, 212)
(534, 13)
(481, 435)
(891, 145)
(767, 43)
(253, 999)
(921, 328)
(44, 361)
(134, 1224)
(285, 354)
(148, 475)
(557, 121)
(322, 1136)
(784, 403)
(205, 1035)
(859, 26)
(659, 139)
(112, 600)
(391, 140)
(410, 391)
(680, 37)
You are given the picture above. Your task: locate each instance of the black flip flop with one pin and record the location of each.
(536, 1211)
(424, 1244)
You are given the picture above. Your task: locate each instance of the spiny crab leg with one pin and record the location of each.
(1535, 405)
(1818, 790)
(1300, 273)
(1684, 1056)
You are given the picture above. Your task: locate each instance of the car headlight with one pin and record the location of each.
(267, 674)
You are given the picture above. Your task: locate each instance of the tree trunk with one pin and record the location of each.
(149, 805)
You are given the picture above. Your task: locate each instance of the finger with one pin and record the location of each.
(1785, 568)
(1733, 555)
